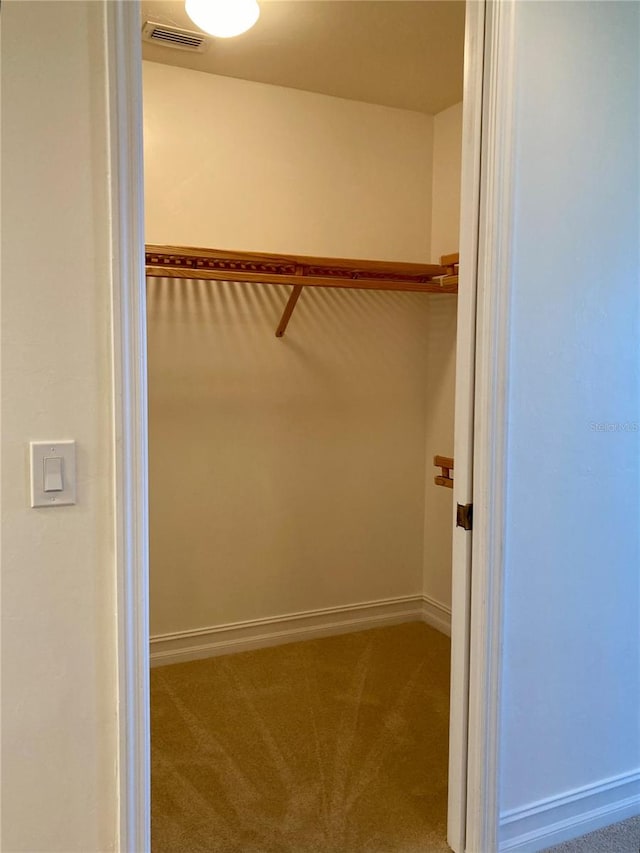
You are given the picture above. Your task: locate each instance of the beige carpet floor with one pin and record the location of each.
(336, 745)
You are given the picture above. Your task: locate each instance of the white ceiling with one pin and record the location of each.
(399, 53)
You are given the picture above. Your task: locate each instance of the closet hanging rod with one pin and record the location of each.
(300, 271)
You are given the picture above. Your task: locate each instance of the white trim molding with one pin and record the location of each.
(462, 540)
(124, 93)
(490, 427)
(556, 819)
(436, 614)
(182, 646)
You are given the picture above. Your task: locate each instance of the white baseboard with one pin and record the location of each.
(436, 614)
(259, 633)
(570, 815)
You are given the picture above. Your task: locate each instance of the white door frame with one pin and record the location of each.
(480, 429)
(495, 235)
(464, 422)
(128, 308)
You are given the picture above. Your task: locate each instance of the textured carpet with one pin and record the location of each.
(336, 745)
(619, 838)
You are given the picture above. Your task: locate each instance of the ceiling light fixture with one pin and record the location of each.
(223, 18)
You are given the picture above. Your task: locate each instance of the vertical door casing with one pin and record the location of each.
(464, 421)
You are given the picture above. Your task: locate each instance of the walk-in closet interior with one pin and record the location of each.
(302, 193)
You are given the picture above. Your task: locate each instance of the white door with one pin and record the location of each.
(463, 443)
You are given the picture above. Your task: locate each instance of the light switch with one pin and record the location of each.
(53, 473)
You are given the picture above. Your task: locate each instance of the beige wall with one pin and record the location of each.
(441, 354)
(58, 628)
(288, 474)
(447, 153)
(240, 165)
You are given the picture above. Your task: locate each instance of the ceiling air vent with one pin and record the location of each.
(168, 36)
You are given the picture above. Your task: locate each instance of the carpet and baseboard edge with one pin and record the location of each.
(571, 814)
(183, 646)
(524, 830)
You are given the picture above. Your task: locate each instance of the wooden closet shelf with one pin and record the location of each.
(300, 271)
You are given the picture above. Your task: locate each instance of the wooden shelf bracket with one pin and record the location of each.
(445, 463)
(291, 304)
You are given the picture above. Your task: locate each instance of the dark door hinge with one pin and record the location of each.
(464, 516)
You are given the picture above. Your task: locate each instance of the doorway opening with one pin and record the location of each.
(300, 547)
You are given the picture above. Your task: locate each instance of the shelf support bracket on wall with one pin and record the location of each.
(291, 304)
(445, 463)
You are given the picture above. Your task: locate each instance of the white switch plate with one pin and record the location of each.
(64, 450)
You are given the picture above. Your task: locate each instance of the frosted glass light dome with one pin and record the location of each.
(223, 18)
